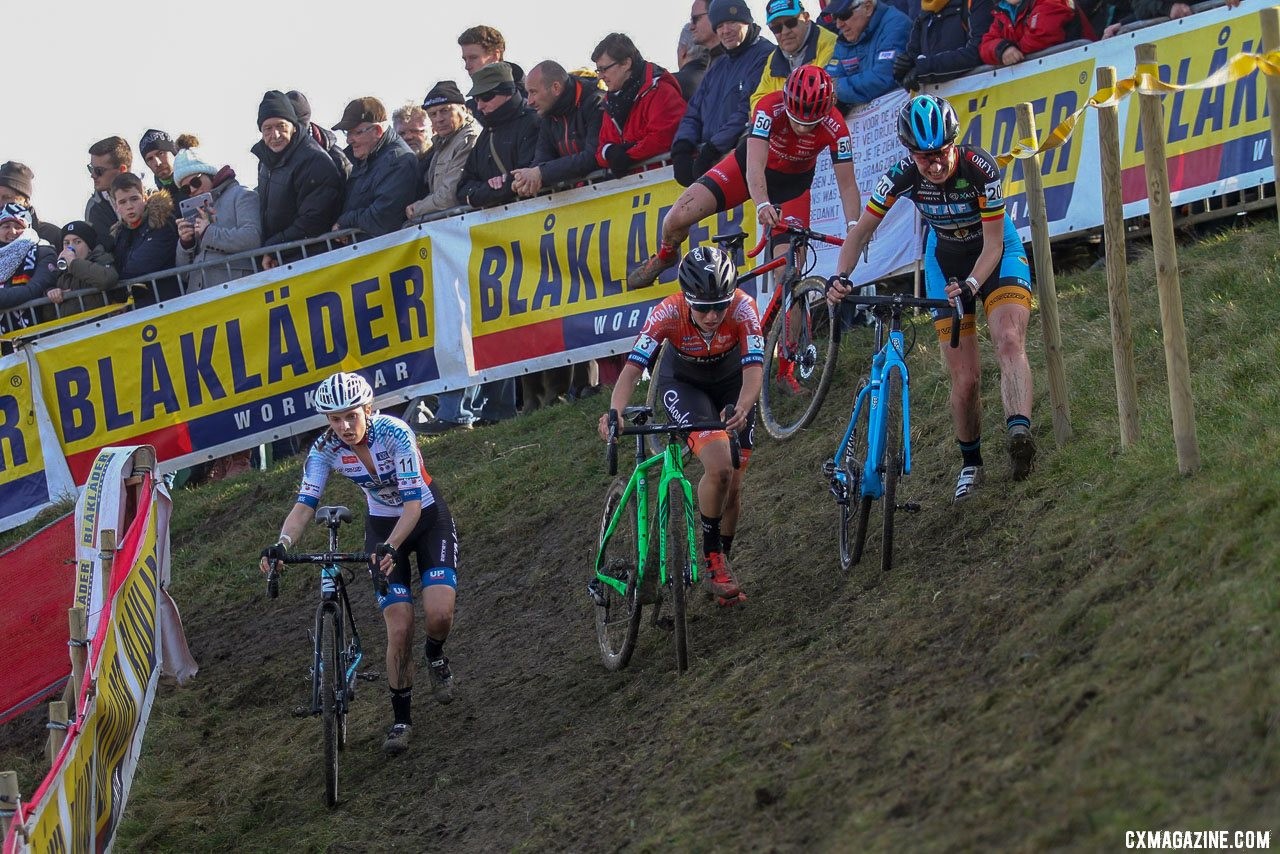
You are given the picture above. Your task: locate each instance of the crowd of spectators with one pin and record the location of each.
(510, 136)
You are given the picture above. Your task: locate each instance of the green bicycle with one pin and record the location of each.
(624, 579)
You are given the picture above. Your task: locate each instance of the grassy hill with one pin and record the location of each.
(1090, 651)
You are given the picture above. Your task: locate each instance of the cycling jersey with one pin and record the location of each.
(798, 152)
(702, 358)
(955, 208)
(400, 475)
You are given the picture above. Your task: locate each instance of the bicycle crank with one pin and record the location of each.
(909, 507)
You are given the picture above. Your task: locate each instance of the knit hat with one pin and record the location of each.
(444, 92)
(188, 163)
(82, 230)
(729, 10)
(492, 76)
(301, 105)
(775, 9)
(156, 140)
(361, 110)
(13, 210)
(275, 104)
(17, 177)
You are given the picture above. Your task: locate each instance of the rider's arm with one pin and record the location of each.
(847, 184)
(410, 513)
(752, 379)
(296, 522)
(757, 157)
(855, 241)
(622, 389)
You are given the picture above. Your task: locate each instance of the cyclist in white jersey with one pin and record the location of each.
(407, 514)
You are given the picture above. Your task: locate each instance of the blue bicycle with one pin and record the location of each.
(876, 449)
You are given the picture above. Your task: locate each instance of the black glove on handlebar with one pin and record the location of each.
(274, 553)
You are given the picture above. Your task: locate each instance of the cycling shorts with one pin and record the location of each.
(1009, 283)
(434, 540)
(727, 181)
(689, 403)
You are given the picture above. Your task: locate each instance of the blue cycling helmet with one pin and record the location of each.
(927, 123)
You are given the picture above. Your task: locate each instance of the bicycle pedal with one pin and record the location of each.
(369, 675)
(304, 712)
(597, 595)
(909, 507)
(828, 468)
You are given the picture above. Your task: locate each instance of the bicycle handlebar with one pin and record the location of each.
(611, 451)
(955, 306)
(273, 574)
(796, 229)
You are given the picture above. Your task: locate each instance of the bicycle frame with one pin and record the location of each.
(888, 357)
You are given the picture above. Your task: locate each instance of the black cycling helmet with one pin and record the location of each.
(707, 275)
(927, 123)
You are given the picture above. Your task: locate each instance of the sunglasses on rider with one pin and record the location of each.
(776, 27)
(708, 307)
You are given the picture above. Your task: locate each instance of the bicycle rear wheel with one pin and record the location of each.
(327, 640)
(799, 360)
(892, 399)
(618, 615)
(679, 566)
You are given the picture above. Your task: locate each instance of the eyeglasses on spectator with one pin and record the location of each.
(776, 27)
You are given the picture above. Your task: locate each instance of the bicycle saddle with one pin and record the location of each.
(736, 238)
(332, 515)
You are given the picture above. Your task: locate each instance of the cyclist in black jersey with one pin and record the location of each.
(973, 251)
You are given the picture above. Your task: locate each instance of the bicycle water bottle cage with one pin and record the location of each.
(331, 516)
(638, 415)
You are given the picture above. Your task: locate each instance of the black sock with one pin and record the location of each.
(726, 543)
(710, 535)
(971, 452)
(435, 649)
(1017, 420)
(402, 705)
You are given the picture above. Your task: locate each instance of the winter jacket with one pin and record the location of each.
(101, 214)
(299, 191)
(692, 73)
(35, 275)
(97, 272)
(818, 48)
(48, 232)
(235, 226)
(570, 133)
(512, 132)
(1031, 26)
(380, 187)
(148, 249)
(717, 114)
(863, 70)
(443, 168)
(945, 43)
(651, 124)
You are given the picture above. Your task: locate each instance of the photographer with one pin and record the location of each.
(219, 218)
(83, 263)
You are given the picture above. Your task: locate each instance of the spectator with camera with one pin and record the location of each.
(944, 42)
(800, 42)
(158, 149)
(83, 264)
(571, 108)
(643, 107)
(222, 218)
(455, 132)
(17, 183)
(717, 115)
(299, 188)
(146, 238)
(108, 159)
(384, 172)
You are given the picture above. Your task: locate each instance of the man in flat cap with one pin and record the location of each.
(384, 170)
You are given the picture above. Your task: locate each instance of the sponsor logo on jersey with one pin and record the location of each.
(350, 459)
(886, 54)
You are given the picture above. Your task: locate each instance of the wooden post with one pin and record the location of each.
(1168, 283)
(1117, 266)
(57, 728)
(1270, 19)
(79, 651)
(8, 800)
(1047, 290)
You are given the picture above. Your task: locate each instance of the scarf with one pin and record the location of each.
(12, 255)
(618, 104)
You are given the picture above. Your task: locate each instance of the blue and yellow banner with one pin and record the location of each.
(23, 480)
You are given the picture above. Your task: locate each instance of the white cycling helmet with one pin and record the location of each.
(341, 392)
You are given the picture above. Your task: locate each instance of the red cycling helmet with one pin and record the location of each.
(808, 95)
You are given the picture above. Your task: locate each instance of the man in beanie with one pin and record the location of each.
(299, 187)
(17, 183)
(454, 133)
(157, 149)
(323, 137)
(717, 115)
(800, 42)
(108, 158)
(86, 266)
(229, 224)
(384, 171)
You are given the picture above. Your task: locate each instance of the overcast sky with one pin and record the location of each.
(82, 71)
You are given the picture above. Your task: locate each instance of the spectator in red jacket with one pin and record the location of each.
(1022, 27)
(642, 110)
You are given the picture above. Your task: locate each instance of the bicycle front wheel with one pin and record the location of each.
(327, 640)
(680, 542)
(855, 512)
(799, 360)
(893, 461)
(618, 614)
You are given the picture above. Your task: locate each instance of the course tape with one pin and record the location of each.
(1145, 81)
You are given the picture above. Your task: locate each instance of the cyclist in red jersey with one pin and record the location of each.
(719, 360)
(772, 166)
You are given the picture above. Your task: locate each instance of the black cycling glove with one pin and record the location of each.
(274, 553)
(682, 154)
